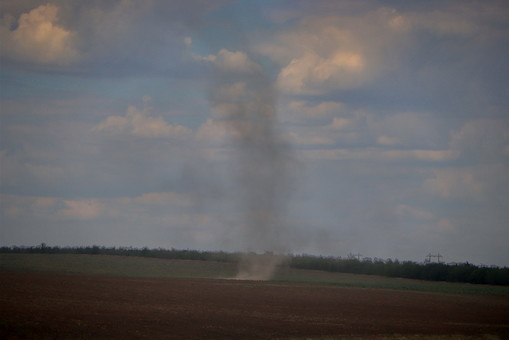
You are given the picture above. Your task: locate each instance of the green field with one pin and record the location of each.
(151, 267)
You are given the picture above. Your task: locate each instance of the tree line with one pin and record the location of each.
(162, 253)
(457, 272)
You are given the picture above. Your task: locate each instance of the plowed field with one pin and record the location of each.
(61, 306)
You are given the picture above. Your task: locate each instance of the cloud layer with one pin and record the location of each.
(130, 123)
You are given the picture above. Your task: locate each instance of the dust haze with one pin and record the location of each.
(244, 100)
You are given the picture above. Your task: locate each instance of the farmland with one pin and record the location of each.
(90, 297)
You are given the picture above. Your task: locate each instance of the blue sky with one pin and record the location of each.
(322, 127)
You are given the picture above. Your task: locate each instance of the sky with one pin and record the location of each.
(322, 127)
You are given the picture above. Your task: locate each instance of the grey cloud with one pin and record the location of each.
(416, 57)
(114, 37)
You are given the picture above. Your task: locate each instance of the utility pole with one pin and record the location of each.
(355, 256)
(430, 257)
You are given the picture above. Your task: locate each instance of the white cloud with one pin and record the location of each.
(445, 224)
(58, 208)
(339, 123)
(312, 73)
(140, 123)
(376, 154)
(481, 176)
(419, 155)
(114, 37)
(405, 129)
(339, 130)
(325, 123)
(415, 134)
(302, 112)
(165, 198)
(214, 132)
(455, 183)
(235, 91)
(44, 202)
(324, 53)
(387, 140)
(324, 50)
(231, 62)
(38, 38)
(330, 123)
(481, 182)
(227, 109)
(81, 209)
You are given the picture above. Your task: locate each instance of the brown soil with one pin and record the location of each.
(59, 306)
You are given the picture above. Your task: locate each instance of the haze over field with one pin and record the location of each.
(323, 127)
